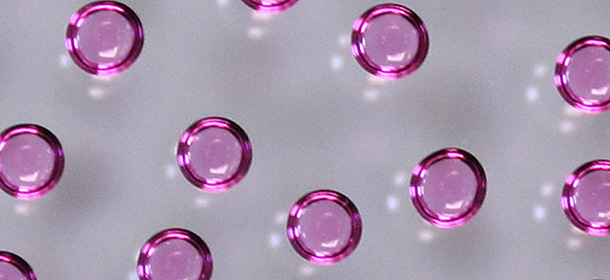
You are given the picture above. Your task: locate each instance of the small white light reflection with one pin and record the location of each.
(531, 94)
(222, 3)
(425, 236)
(275, 240)
(570, 111)
(255, 32)
(370, 94)
(132, 275)
(109, 53)
(202, 202)
(64, 60)
(260, 17)
(392, 203)
(566, 126)
(540, 70)
(96, 93)
(103, 78)
(171, 171)
(23, 209)
(573, 243)
(539, 213)
(400, 179)
(281, 218)
(336, 62)
(374, 80)
(343, 41)
(547, 190)
(307, 270)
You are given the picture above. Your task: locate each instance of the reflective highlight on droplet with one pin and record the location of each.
(448, 187)
(31, 161)
(13, 267)
(389, 41)
(269, 6)
(324, 227)
(104, 38)
(582, 74)
(175, 254)
(585, 198)
(214, 154)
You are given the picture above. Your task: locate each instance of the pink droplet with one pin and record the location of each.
(389, 41)
(586, 197)
(214, 154)
(324, 227)
(269, 6)
(175, 254)
(13, 267)
(582, 74)
(104, 38)
(31, 161)
(448, 187)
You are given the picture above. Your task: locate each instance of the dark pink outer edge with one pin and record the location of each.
(84, 12)
(58, 164)
(561, 79)
(240, 135)
(296, 212)
(358, 50)
(270, 9)
(567, 200)
(175, 233)
(416, 193)
(19, 263)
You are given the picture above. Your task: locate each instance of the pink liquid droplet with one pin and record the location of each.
(582, 74)
(448, 187)
(214, 154)
(31, 161)
(324, 227)
(12, 267)
(586, 197)
(389, 41)
(269, 6)
(175, 254)
(104, 38)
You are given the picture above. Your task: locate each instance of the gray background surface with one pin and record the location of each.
(316, 120)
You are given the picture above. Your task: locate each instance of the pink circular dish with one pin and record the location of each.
(214, 154)
(586, 197)
(31, 161)
(448, 187)
(582, 74)
(389, 41)
(13, 267)
(324, 227)
(269, 6)
(104, 38)
(175, 254)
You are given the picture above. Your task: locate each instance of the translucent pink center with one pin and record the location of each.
(175, 259)
(10, 272)
(26, 161)
(105, 38)
(588, 74)
(215, 155)
(324, 228)
(592, 197)
(391, 41)
(449, 188)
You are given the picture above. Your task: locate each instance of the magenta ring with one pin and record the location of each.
(19, 263)
(561, 78)
(175, 233)
(359, 51)
(568, 201)
(416, 191)
(76, 20)
(58, 163)
(185, 143)
(270, 8)
(296, 212)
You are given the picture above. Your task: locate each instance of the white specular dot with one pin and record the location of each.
(343, 41)
(255, 32)
(546, 190)
(202, 202)
(275, 240)
(22, 209)
(307, 270)
(539, 213)
(400, 179)
(336, 62)
(567, 127)
(531, 94)
(540, 70)
(371, 94)
(573, 243)
(570, 111)
(392, 203)
(425, 235)
(222, 3)
(171, 171)
(96, 93)
(64, 60)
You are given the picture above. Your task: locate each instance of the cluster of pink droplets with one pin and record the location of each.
(447, 187)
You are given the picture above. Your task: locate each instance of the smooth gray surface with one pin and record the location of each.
(316, 120)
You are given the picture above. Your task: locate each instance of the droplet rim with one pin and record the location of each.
(567, 197)
(175, 233)
(185, 144)
(360, 26)
(270, 8)
(561, 78)
(416, 188)
(296, 212)
(58, 161)
(94, 68)
(19, 263)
